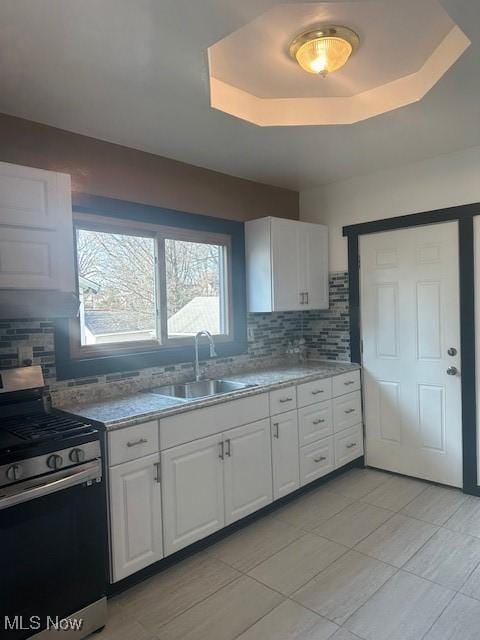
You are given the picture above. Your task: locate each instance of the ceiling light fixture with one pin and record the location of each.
(324, 49)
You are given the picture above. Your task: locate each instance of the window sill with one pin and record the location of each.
(68, 367)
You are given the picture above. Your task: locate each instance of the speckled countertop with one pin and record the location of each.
(116, 413)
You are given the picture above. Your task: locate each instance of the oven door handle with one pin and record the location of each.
(30, 489)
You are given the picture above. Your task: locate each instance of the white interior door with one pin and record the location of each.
(410, 325)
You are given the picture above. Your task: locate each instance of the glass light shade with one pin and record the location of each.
(324, 55)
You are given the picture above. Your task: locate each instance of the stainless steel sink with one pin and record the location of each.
(201, 389)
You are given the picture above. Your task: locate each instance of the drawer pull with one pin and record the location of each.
(317, 421)
(316, 392)
(134, 443)
(351, 445)
(282, 400)
(347, 383)
(349, 410)
(320, 459)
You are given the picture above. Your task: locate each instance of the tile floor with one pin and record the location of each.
(368, 555)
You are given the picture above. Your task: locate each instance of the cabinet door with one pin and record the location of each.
(286, 265)
(313, 251)
(135, 515)
(285, 462)
(36, 246)
(247, 470)
(192, 487)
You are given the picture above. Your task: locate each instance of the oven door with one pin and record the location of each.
(52, 549)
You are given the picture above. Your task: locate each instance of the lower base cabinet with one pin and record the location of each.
(212, 482)
(136, 515)
(192, 491)
(316, 460)
(348, 445)
(285, 463)
(247, 470)
(208, 483)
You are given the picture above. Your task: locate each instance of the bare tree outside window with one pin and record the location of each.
(194, 287)
(118, 275)
(117, 282)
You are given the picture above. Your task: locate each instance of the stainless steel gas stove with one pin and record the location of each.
(52, 516)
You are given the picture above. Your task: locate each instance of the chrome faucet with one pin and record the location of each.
(213, 353)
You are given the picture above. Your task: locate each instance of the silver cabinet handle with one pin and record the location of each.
(302, 297)
(347, 383)
(349, 411)
(316, 392)
(157, 471)
(282, 400)
(351, 445)
(221, 453)
(134, 443)
(318, 421)
(228, 450)
(306, 294)
(276, 433)
(320, 459)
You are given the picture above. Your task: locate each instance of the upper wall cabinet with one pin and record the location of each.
(36, 234)
(287, 265)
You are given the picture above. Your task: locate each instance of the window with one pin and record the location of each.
(196, 291)
(149, 287)
(117, 284)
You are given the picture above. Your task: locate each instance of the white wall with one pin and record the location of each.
(443, 181)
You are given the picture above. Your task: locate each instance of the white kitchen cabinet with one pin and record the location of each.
(347, 411)
(135, 515)
(192, 491)
(285, 462)
(315, 422)
(316, 460)
(348, 445)
(36, 232)
(247, 470)
(313, 264)
(231, 470)
(287, 265)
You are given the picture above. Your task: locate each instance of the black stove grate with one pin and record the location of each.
(43, 425)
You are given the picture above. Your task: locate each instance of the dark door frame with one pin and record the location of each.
(464, 214)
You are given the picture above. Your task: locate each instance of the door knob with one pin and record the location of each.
(452, 351)
(452, 371)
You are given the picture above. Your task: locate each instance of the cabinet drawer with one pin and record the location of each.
(283, 400)
(315, 422)
(316, 460)
(347, 411)
(345, 383)
(312, 392)
(348, 445)
(201, 423)
(133, 442)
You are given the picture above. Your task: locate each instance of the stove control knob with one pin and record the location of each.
(14, 472)
(54, 461)
(77, 455)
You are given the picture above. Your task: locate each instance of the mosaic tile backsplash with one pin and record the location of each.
(326, 334)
